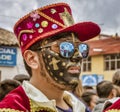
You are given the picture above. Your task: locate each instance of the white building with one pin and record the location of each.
(11, 61)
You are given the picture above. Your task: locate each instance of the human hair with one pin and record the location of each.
(37, 45)
(6, 86)
(104, 88)
(87, 96)
(21, 77)
(78, 90)
(116, 78)
(86, 87)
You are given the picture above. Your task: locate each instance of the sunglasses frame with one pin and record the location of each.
(73, 43)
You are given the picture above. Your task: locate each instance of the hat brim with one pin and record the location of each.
(85, 30)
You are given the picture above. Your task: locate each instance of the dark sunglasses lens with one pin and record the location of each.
(84, 50)
(66, 49)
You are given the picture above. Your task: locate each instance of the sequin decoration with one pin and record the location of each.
(40, 30)
(29, 25)
(54, 26)
(44, 24)
(24, 37)
(61, 74)
(21, 43)
(63, 64)
(30, 36)
(19, 28)
(66, 17)
(35, 16)
(53, 11)
(37, 25)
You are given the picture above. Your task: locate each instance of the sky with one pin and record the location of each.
(106, 13)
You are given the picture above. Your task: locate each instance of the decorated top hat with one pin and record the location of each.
(48, 21)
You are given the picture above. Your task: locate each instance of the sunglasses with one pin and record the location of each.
(67, 49)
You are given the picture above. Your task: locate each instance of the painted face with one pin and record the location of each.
(63, 71)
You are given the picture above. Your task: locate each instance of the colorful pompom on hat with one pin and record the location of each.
(48, 21)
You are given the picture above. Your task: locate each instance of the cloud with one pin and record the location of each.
(104, 12)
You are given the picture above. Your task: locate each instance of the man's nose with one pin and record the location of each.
(76, 56)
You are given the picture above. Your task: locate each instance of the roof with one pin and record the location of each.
(7, 38)
(104, 46)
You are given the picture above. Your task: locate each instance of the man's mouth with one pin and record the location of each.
(74, 70)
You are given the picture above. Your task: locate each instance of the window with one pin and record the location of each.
(86, 64)
(112, 61)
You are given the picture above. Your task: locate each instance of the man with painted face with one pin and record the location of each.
(52, 49)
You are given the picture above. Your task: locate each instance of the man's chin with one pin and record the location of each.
(74, 81)
(71, 87)
(74, 76)
(72, 84)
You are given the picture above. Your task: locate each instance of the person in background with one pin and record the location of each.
(21, 78)
(114, 104)
(116, 82)
(116, 78)
(6, 86)
(90, 99)
(105, 90)
(80, 92)
(45, 35)
(86, 88)
(117, 88)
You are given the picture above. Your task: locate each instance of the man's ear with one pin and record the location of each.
(112, 94)
(31, 59)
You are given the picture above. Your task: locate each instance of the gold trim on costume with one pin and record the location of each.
(67, 99)
(9, 110)
(24, 31)
(51, 19)
(37, 106)
(113, 110)
(67, 17)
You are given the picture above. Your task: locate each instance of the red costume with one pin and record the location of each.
(27, 98)
(16, 100)
(115, 107)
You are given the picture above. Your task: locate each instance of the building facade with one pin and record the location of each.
(103, 61)
(11, 61)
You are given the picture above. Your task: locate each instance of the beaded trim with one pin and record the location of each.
(113, 110)
(36, 107)
(9, 110)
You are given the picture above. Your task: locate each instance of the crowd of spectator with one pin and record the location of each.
(95, 99)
